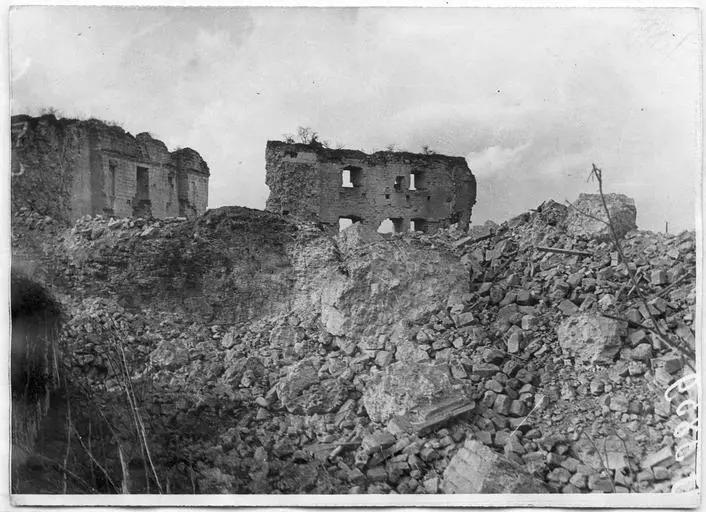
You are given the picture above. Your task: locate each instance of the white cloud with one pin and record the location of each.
(495, 158)
(531, 100)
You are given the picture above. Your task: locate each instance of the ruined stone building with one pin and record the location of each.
(67, 168)
(414, 191)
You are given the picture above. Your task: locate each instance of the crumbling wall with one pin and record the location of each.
(294, 181)
(324, 185)
(67, 168)
(46, 167)
(193, 175)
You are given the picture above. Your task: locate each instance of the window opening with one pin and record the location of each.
(417, 181)
(112, 166)
(351, 176)
(142, 184)
(418, 225)
(141, 204)
(346, 179)
(344, 222)
(390, 225)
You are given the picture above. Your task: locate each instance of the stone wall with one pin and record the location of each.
(67, 168)
(193, 183)
(324, 185)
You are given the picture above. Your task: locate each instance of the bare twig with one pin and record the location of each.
(94, 460)
(506, 263)
(118, 363)
(140, 425)
(586, 214)
(625, 448)
(564, 251)
(58, 465)
(679, 347)
(193, 481)
(126, 473)
(598, 175)
(90, 433)
(525, 418)
(68, 444)
(638, 277)
(673, 285)
(600, 458)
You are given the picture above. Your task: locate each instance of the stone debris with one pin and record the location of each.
(591, 338)
(477, 469)
(509, 373)
(425, 418)
(401, 387)
(587, 218)
(658, 458)
(302, 391)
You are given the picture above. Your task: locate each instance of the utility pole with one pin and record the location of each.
(666, 226)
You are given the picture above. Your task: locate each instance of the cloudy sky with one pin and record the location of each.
(531, 97)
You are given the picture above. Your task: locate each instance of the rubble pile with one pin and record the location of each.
(517, 357)
(587, 218)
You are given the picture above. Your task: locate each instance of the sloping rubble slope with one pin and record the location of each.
(264, 356)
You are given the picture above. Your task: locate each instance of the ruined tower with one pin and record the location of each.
(414, 191)
(67, 168)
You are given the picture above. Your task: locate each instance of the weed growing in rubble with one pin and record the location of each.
(125, 432)
(51, 111)
(307, 135)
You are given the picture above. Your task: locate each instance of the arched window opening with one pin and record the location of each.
(390, 225)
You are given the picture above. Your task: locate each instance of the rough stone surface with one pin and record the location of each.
(622, 213)
(478, 469)
(306, 181)
(69, 168)
(403, 386)
(170, 354)
(591, 338)
(240, 366)
(301, 391)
